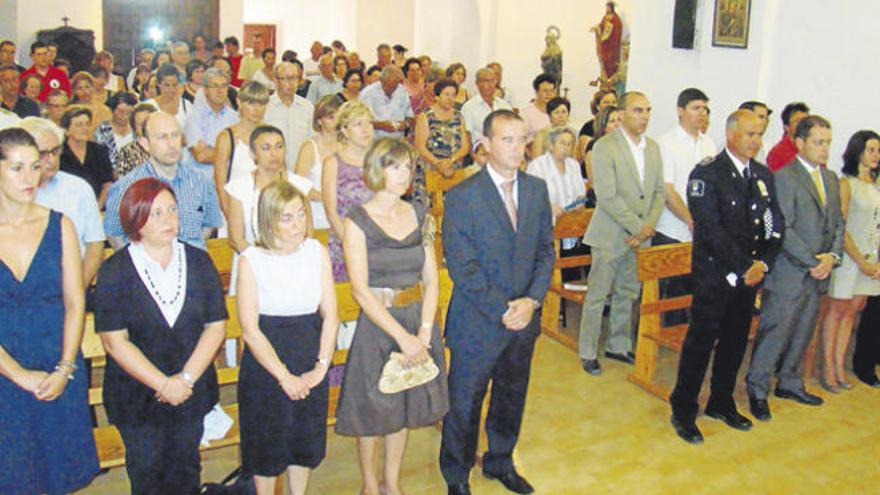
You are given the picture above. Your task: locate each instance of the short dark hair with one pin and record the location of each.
(140, 108)
(791, 108)
(410, 61)
(690, 94)
(349, 73)
(400, 48)
(444, 83)
(63, 62)
(544, 78)
(167, 70)
(808, 123)
(338, 45)
(97, 71)
(120, 97)
(373, 68)
(217, 44)
(288, 56)
(557, 102)
(134, 209)
(36, 45)
(383, 46)
(72, 112)
(192, 66)
(597, 99)
(259, 131)
(6, 42)
(15, 136)
(230, 40)
(753, 104)
(268, 50)
(343, 58)
(854, 149)
(489, 121)
(296, 61)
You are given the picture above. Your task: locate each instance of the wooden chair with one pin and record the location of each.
(570, 224)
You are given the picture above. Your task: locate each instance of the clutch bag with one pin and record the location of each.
(395, 378)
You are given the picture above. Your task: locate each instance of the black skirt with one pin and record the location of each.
(277, 432)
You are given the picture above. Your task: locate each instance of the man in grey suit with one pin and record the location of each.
(628, 181)
(814, 231)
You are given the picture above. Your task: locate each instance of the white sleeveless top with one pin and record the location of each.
(319, 217)
(288, 285)
(242, 163)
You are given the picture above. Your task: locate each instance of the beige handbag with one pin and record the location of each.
(395, 378)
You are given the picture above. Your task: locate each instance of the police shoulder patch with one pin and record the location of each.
(696, 188)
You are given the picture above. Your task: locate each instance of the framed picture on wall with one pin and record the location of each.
(731, 26)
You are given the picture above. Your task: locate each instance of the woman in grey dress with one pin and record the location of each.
(390, 257)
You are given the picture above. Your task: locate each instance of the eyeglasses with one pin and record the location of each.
(216, 86)
(50, 152)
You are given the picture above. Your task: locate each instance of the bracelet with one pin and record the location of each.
(323, 362)
(427, 325)
(66, 368)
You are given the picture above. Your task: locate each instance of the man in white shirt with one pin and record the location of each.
(290, 112)
(389, 101)
(481, 105)
(310, 65)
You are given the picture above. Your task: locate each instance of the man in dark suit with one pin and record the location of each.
(498, 242)
(809, 196)
(738, 231)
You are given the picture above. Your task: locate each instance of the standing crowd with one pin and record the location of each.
(200, 141)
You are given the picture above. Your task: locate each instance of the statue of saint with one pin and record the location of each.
(612, 49)
(551, 59)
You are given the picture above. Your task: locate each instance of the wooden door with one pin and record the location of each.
(268, 32)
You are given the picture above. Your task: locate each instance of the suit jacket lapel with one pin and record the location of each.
(524, 199)
(809, 185)
(493, 200)
(626, 153)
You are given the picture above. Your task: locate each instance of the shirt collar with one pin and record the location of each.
(639, 146)
(497, 178)
(809, 167)
(736, 161)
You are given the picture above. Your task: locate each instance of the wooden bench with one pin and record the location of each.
(436, 185)
(570, 224)
(653, 264)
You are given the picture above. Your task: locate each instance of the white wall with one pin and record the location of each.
(38, 15)
(231, 19)
(382, 21)
(299, 22)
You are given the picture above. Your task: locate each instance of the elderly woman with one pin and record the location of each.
(535, 113)
(342, 178)
(442, 139)
(46, 432)
(83, 86)
(266, 75)
(414, 84)
(389, 250)
(287, 309)
(352, 83)
(82, 157)
(559, 170)
(115, 133)
(458, 73)
(603, 98)
(267, 152)
(558, 109)
(859, 274)
(32, 86)
(607, 122)
(161, 315)
(313, 152)
(232, 156)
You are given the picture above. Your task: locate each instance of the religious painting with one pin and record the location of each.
(731, 26)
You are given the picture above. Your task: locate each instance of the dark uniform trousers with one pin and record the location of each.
(867, 354)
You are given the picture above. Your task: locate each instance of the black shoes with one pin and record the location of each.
(511, 480)
(687, 430)
(760, 409)
(731, 417)
(460, 489)
(869, 380)
(592, 366)
(627, 357)
(801, 396)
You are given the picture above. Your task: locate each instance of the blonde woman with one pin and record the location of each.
(389, 251)
(313, 152)
(287, 309)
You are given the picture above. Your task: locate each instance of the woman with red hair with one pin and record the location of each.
(161, 315)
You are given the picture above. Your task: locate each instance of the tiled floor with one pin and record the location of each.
(584, 434)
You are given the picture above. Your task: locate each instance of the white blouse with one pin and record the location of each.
(287, 285)
(562, 188)
(167, 286)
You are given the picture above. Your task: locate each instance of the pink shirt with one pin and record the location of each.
(535, 119)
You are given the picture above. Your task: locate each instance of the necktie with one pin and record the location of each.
(746, 174)
(817, 181)
(507, 188)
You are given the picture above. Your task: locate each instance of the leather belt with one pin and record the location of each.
(398, 298)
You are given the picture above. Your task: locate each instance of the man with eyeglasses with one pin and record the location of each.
(68, 194)
(288, 111)
(207, 118)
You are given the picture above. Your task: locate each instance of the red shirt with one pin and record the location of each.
(781, 154)
(235, 62)
(54, 79)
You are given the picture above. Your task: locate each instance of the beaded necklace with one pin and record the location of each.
(179, 289)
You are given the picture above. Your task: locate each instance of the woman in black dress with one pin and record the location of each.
(83, 157)
(287, 309)
(161, 315)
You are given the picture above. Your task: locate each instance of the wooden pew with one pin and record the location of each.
(653, 264)
(570, 224)
(436, 186)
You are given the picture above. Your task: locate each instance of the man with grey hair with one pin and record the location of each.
(67, 193)
(288, 111)
(390, 103)
(208, 117)
(326, 83)
(482, 104)
(180, 56)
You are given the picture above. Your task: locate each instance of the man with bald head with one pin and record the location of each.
(326, 83)
(390, 103)
(738, 230)
(197, 203)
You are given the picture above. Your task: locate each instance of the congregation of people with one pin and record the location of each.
(199, 141)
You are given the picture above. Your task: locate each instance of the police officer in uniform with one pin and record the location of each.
(738, 229)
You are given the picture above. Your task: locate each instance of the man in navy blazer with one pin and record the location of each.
(498, 242)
